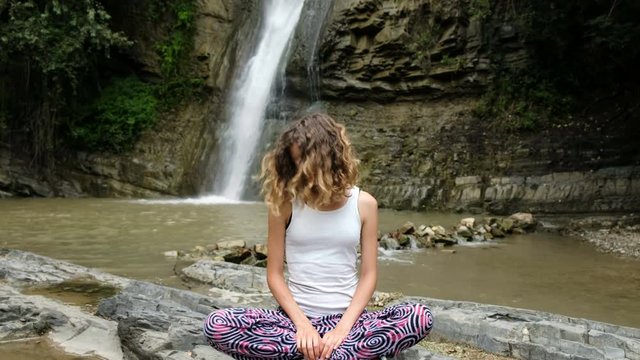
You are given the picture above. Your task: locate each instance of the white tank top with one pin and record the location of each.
(321, 252)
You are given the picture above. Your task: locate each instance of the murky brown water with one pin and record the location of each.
(538, 271)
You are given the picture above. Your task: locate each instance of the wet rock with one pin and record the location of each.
(157, 322)
(407, 241)
(237, 256)
(171, 253)
(525, 221)
(420, 353)
(407, 228)
(389, 243)
(199, 251)
(500, 329)
(439, 230)
(506, 225)
(250, 260)
(231, 244)
(464, 232)
(467, 230)
(424, 230)
(261, 251)
(25, 316)
(234, 277)
(496, 232)
(382, 299)
(153, 319)
(261, 263)
(446, 241)
(21, 269)
(468, 222)
(425, 242)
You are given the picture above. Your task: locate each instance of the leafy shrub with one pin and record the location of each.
(47, 48)
(116, 119)
(479, 8)
(179, 83)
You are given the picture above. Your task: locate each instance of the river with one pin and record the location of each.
(541, 271)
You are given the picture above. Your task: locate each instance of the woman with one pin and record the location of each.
(318, 218)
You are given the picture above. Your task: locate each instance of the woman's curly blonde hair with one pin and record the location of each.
(327, 167)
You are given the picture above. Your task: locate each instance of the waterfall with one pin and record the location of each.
(314, 18)
(251, 95)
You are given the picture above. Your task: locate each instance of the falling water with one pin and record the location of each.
(315, 18)
(251, 95)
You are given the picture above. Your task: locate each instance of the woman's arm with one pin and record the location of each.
(368, 208)
(307, 338)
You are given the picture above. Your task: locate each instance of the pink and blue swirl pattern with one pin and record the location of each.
(249, 333)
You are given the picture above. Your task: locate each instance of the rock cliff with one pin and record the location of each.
(406, 78)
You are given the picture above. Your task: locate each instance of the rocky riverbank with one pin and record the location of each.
(148, 321)
(612, 234)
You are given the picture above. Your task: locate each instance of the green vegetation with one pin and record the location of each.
(522, 102)
(116, 119)
(580, 50)
(427, 40)
(51, 55)
(56, 38)
(458, 61)
(178, 81)
(585, 43)
(174, 49)
(47, 48)
(479, 8)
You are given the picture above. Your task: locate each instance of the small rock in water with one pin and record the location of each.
(425, 230)
(524, 220)
(171, 253)
(389, 243)
(199, 250)
(439, 230)
(230, 244)
(468, 222)
(464, 231)
(261, 251)
(407, 228)
(212, 247)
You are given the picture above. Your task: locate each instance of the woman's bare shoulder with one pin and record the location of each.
(284, 213)
(367, 201)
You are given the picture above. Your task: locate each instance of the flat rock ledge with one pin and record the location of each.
(149, 321)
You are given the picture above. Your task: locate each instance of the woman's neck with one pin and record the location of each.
(334, 205)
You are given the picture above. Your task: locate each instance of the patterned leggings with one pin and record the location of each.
(249, 333)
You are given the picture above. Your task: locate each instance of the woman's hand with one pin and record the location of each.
(332, 340)
(308, 341)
